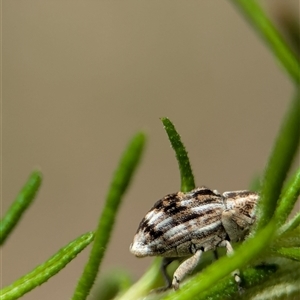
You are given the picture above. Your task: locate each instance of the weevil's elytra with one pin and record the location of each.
(186, 224)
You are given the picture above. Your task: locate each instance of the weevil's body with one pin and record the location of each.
(186, 224)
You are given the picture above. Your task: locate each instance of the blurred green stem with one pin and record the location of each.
(121, 179)
(266, 29)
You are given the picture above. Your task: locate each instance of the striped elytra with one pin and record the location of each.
(181, 223)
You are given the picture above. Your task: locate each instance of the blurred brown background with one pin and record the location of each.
(81, 77)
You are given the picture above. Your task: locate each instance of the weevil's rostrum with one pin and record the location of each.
(186, 224)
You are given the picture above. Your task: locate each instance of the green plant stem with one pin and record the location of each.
(186, 173)
(284, 284)
(119, 184)
(251, 277)
(260, 21)
(48, 269)
(280, 161)
(19, 206)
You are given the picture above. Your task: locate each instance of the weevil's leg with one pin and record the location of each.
(230, 251)
(165, 262)
(185, 268)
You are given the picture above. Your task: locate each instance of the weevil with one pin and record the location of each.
(184, 225)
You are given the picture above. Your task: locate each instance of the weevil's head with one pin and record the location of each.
(139, 246)
(145, 242)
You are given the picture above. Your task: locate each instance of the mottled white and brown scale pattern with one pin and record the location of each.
(177, 219)
(186, 224)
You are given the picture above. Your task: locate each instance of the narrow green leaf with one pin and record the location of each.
(263, 25)
(279, 163)
(121, 179)
(186, 173)
(291, 225)
(46, 270)
(291, 253)
(287, 239)
(288, 199)
(19, 206)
